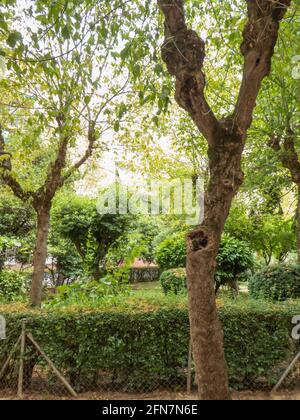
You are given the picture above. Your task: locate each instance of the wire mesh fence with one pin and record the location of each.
(28, 372)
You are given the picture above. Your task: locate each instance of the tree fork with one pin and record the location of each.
(184, 52)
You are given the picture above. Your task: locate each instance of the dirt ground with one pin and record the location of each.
(160, 395)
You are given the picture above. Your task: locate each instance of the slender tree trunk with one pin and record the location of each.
(203, 246)
(99, 268)
(298, 223)
(39, 257)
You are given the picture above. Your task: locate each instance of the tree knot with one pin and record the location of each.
(198, 240)
(183, 52)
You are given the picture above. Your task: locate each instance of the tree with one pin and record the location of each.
(57, 69)
(184, 53)
(279, 124)
(270, 235)
(93, 234)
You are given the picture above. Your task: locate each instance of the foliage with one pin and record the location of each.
(17, 223)
(234, 259)
(85, 292)
(279, 283)
(144, 344)
(174, 281)
(17, 219)
(270, 235)
(66, 264)
(12, 286)
(171, 253)
(77, 219)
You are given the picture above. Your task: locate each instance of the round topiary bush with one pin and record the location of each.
(278, 283)
(234, 261)
(174, 281)
(171, 253)
(12, 286)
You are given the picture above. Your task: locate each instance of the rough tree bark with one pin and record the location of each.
(298, 222)
(184, 53)
(40, 256)
(284, 146)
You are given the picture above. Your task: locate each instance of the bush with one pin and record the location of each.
(137, 347)
(278, 283)
(12, 286)
(174, 281)
(171, 253)
(86, 292)
(234, 260)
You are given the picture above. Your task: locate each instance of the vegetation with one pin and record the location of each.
(108, 110)
(277, 283)
(174, 281)
(12, 286)
(135, 340)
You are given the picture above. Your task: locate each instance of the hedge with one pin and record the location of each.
(145, 349)
(278, 283)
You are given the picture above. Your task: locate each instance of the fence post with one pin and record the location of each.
(189, 375)
(21, 366)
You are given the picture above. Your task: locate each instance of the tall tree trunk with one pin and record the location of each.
(298, 223)
(39, 257)
(184, 53)
(99, 269)
(203, 246)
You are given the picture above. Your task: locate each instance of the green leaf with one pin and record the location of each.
(13, 38)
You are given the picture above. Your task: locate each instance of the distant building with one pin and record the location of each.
(143, 271)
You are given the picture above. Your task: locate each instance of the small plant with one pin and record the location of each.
(12, 286)
(174, 281)
(86, 292)
(278, 283)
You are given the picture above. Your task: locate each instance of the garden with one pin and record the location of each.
(149, 242)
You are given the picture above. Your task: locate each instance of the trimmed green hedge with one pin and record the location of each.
(140, 351)
(278, 283)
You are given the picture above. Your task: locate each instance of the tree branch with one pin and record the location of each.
(260, 37)
(5, 172)
(43, 197)
(285, 148)
(184, 52)
(88, 153)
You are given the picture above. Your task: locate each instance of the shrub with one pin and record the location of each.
(174, 281)
(12, 286)
(137, 348)
(86, 292)
(278, 283)
(171, 253)
(233, 261)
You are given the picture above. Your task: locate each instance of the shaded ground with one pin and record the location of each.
(159, 395)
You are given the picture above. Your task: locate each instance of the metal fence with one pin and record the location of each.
(27, 372)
